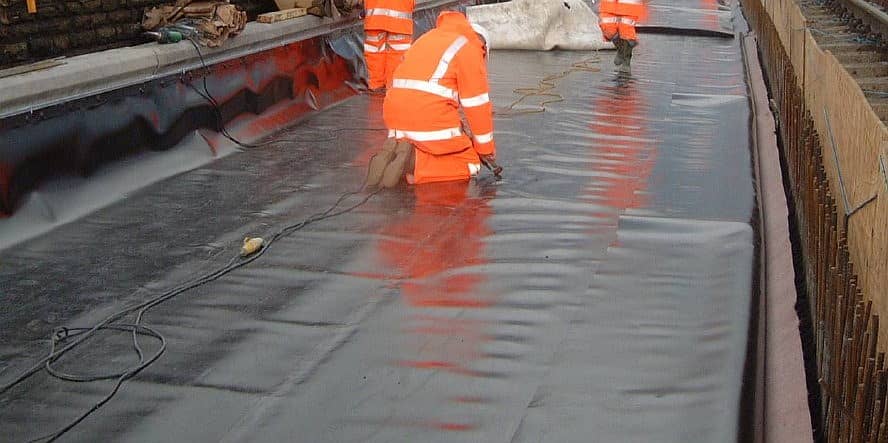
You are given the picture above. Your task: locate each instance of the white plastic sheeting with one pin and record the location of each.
(540, 25)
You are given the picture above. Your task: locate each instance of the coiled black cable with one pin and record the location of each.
(136, 328)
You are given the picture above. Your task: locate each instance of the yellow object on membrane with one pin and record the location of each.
(251, 245)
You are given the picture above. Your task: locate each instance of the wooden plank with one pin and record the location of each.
(278, 16)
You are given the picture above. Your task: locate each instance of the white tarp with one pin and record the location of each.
(540, 25)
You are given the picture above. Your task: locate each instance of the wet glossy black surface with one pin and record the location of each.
(600, 292)
(690, 17)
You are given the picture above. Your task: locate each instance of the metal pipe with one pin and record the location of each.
(859, 207)
(849, 211)
(836, 159)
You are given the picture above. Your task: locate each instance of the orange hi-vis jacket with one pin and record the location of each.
(625, 8)
(395, 16)
(621, 16)
(443, 71)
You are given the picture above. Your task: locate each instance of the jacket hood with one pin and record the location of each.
(454, 21)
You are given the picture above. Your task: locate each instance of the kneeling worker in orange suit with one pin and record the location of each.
(388, 34)
(445, 70)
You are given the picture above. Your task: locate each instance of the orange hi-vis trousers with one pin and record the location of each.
(614, 25)
(383, 52)
(430, 168)
(619, 17)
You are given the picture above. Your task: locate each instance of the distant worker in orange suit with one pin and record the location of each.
(618, 20)
(445, 72)
(388, 34)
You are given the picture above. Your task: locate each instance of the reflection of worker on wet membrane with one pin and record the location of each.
(445, 72)
(388, 34)
(618, 20)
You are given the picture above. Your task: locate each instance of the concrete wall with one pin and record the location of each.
(69, 27)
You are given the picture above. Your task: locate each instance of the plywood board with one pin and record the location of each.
(279, 16)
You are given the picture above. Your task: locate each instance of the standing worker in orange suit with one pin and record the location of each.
(618, 20)
(388, 34)
(443, 73)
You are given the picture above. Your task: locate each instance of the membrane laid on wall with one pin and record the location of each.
(540, 25)
(714, 17)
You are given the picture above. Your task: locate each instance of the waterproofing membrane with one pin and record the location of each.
(692, 16)
(540, 25)
(73, 141)
(599, 292)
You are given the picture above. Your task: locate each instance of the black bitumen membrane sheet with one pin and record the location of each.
(599, 292)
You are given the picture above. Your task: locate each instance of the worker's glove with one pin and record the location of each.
(489, 161)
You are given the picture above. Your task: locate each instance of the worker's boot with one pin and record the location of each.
(404, 158)
(379, 162)
(618, 43)
(626, 68)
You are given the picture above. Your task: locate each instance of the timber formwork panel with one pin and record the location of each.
(850, 364)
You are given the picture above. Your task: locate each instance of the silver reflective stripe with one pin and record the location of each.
(448, 56)
(610, 20)
(484, 138)
(399, 37)
(400, 46)
(477, 100)
(371, 48)
(430, 87)
(389, 13)
(474, 169)
(627, 21)
(375, 37)
(427, 136)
